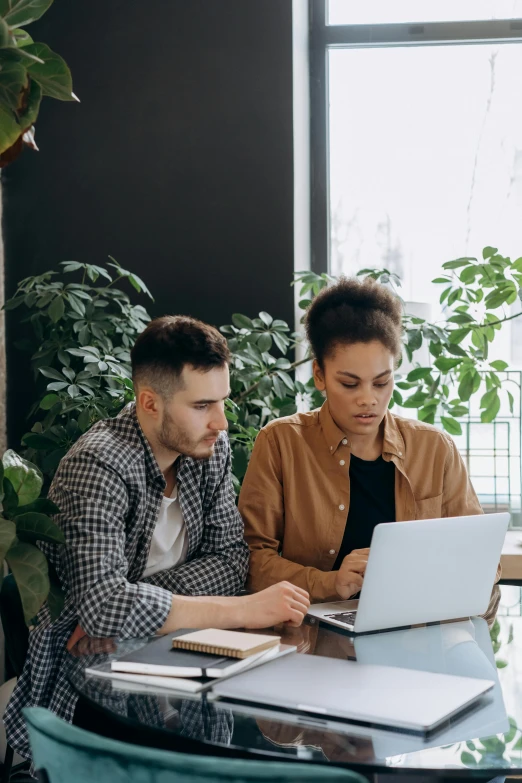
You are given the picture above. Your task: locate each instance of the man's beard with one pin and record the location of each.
(175, 438)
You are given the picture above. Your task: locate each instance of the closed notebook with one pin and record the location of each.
(233, 644)
(159, 658)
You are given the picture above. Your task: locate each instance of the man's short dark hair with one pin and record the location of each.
(353, 311)
(170, 343)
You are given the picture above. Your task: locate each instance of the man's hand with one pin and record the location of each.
(350, 575)
(280, 603)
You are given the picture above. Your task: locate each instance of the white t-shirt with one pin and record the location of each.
(169, 543)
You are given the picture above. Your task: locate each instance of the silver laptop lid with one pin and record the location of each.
(377, 695)
(430, 570)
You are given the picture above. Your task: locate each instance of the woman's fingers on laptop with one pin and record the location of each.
(359, 558)
(349, 579)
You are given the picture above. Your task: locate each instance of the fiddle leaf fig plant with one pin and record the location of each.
(28, 72)
(24, 521)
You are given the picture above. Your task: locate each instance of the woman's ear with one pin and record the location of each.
(318, 375)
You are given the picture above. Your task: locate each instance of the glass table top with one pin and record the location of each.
(486, 741)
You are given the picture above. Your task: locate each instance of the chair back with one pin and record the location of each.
(16, 632)
(62, 753)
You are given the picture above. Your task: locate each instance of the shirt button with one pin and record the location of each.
(332, 551)
(341, 507)
(344, 441)
(342, 462)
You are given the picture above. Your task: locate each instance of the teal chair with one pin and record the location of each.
(63, 753)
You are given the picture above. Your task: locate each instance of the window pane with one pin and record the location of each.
(386, 12)
(425, 162)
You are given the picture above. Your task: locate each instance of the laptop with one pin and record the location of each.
(405, 699)
(461, 648)
(423, 571)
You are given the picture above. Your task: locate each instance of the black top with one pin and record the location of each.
(372, 500)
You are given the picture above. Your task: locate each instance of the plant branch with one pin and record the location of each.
(500, 321)
(254, 386)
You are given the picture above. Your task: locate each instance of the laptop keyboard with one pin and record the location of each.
(348, 618)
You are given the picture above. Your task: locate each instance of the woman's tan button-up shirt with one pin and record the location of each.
(296, 493)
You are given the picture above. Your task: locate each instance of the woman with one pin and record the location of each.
(319, 482)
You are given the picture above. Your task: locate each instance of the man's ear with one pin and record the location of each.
(149, 401)
(318, 376)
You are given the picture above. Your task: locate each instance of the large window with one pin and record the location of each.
(417, 151)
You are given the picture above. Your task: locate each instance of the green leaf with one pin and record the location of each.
(13, 79)
(39, 442)
(491, 411)
(21, 37)
(286, 379)
(469, 274)
(26, 478)
(266, 318)
(427, 414)
(499, 365)
(445, 365)
(511, 401)
(10, 499)
(488, 252)
(7, 537)
(56, 309)
(264, 342)
(418, 373)
(53, 75)
(20, 12)
(468, 759)
(451, 425)
(466, 387)
(456, 336)
(414, 339)
(488, 398)
(511, 734)
(458, 262)
(500, 663)
(281, 341)
(33, 527)
(48, 401)
(50, 372)
(458, 410)
(29, 567)
(40, 505)
(10, 130)
(242, 321)
(397, 397)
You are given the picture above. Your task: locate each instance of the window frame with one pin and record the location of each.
(324, 37)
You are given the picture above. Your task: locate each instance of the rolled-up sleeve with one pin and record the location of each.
(93, 503)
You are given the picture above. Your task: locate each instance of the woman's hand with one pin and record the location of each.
(350, 575)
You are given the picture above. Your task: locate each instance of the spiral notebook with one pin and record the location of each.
(233, 644)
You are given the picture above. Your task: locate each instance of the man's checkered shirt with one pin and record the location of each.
(109, 490)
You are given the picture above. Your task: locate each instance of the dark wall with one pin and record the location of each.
(178, 161)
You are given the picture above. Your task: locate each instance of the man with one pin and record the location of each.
(153, 537)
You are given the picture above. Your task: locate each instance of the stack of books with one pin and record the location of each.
(190, 661)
